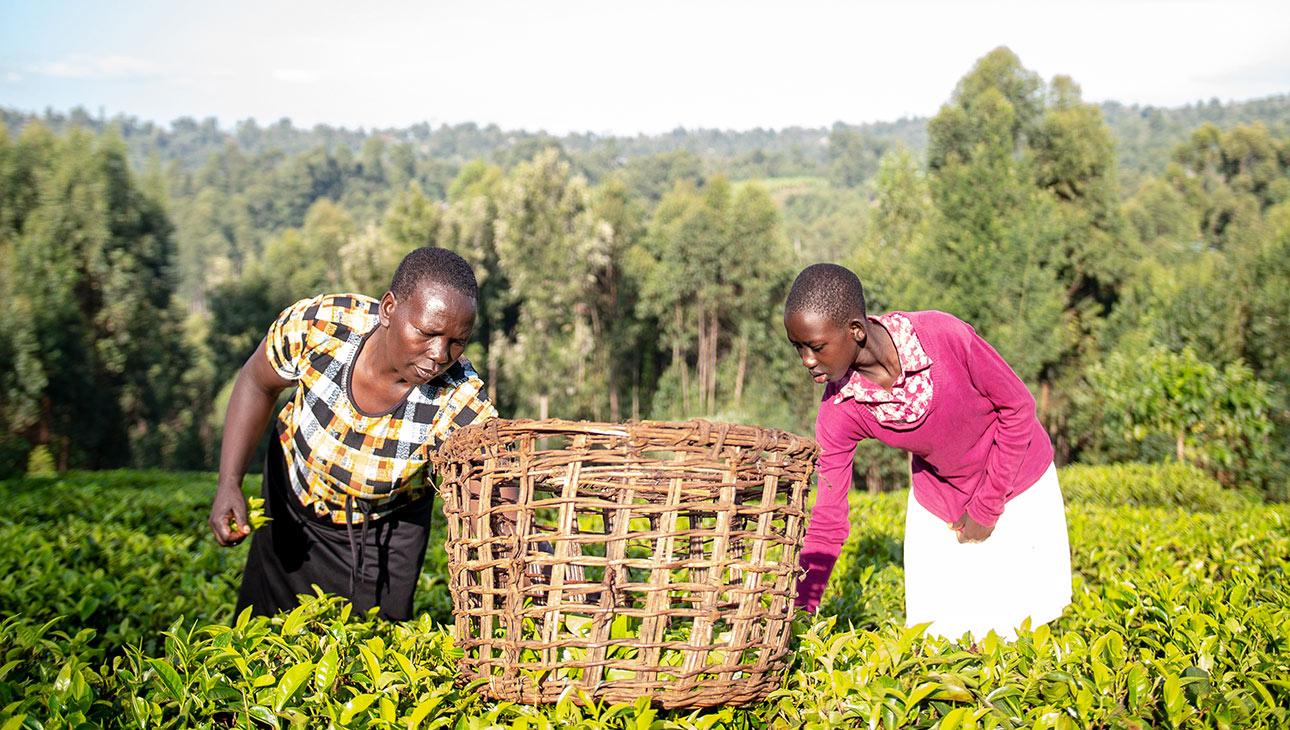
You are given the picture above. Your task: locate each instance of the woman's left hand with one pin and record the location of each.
(969, 530)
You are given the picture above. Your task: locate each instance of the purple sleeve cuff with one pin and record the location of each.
(985, 508)
(818, 565)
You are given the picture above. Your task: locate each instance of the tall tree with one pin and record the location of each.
(553, 249)
(88, 304)
(713, 270)
(1074, 164)
(367, 261)
(623, 344)
(302, 262)
(995, 230)
(902, 220)
(468, 226)
(683, 240)
(756, 278)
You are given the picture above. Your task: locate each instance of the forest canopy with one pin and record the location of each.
(1130, 262)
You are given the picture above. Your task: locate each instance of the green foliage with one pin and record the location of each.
(880, 468)
(713, 269)
(300, 263)
(853, 157)
(1230, 177)
(995, 229)
(545, 223)
(1145, 136)
(13, 456)
(902, 222)
(1218, 419)
(1173, 484)
(651, 177)
(1179, 618)
(642, 277)
(87, 315)
(40, 463)
(122, 554)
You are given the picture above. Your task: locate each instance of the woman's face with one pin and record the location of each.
(427, 331)
(828, 349)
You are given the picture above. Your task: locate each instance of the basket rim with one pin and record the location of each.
(695, 430)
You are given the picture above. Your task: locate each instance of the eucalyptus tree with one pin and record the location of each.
(553, 248)
(93, 345)
(713, 269)
(995, 230)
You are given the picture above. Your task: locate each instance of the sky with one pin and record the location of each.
(615, 67)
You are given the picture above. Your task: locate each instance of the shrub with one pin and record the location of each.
(40, 463)
(1218, 419)
(1148, 485)
(1180, 617)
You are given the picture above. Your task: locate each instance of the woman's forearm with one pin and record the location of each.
(249, 408)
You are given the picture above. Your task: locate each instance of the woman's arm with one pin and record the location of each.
(1014, 407)
(830, 519)
(249, 409)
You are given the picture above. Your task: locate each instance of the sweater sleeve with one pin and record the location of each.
(829, 522)
(1014, 407)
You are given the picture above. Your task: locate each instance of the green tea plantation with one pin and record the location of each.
(116, 611)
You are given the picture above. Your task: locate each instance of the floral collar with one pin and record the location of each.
(912, 390)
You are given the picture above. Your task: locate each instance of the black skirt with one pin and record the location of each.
(372, 565)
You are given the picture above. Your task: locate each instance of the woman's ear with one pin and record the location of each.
(385, 312)
(858, 332)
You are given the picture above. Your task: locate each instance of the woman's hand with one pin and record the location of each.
(228, 518)
(969, 530)
(249, 408)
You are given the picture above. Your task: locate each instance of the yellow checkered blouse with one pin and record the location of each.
(333, 450)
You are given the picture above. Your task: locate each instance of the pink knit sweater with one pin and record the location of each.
(977, 445)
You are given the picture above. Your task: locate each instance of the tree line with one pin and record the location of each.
(1145, 137)
(1144, 304)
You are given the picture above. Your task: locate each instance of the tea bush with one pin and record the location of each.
(117, 613)
(1169, 484)
(126, 553)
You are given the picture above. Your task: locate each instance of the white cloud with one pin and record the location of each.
(294, 76)
(97, 67)
(13, 77)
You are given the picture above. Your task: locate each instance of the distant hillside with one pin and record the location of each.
(1146, 135)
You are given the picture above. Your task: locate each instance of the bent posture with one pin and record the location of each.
(379, 384)
(985, 532)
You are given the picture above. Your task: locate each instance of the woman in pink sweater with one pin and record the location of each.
(985, 532)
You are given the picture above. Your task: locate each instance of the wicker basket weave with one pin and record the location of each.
(624, 559)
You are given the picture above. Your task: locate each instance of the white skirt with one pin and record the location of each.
(1022, 571)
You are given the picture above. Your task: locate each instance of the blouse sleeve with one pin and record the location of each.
(287, 343)
(468, 405)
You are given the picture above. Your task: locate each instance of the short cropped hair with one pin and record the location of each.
(827, 289)
(433, 265)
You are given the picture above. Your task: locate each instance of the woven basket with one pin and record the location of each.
(624, 559)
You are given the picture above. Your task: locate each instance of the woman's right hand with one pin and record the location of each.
(249, 408)
(229, 509)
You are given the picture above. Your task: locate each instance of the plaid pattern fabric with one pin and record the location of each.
(333, 450)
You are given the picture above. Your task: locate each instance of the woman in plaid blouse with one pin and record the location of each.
(379, 384)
